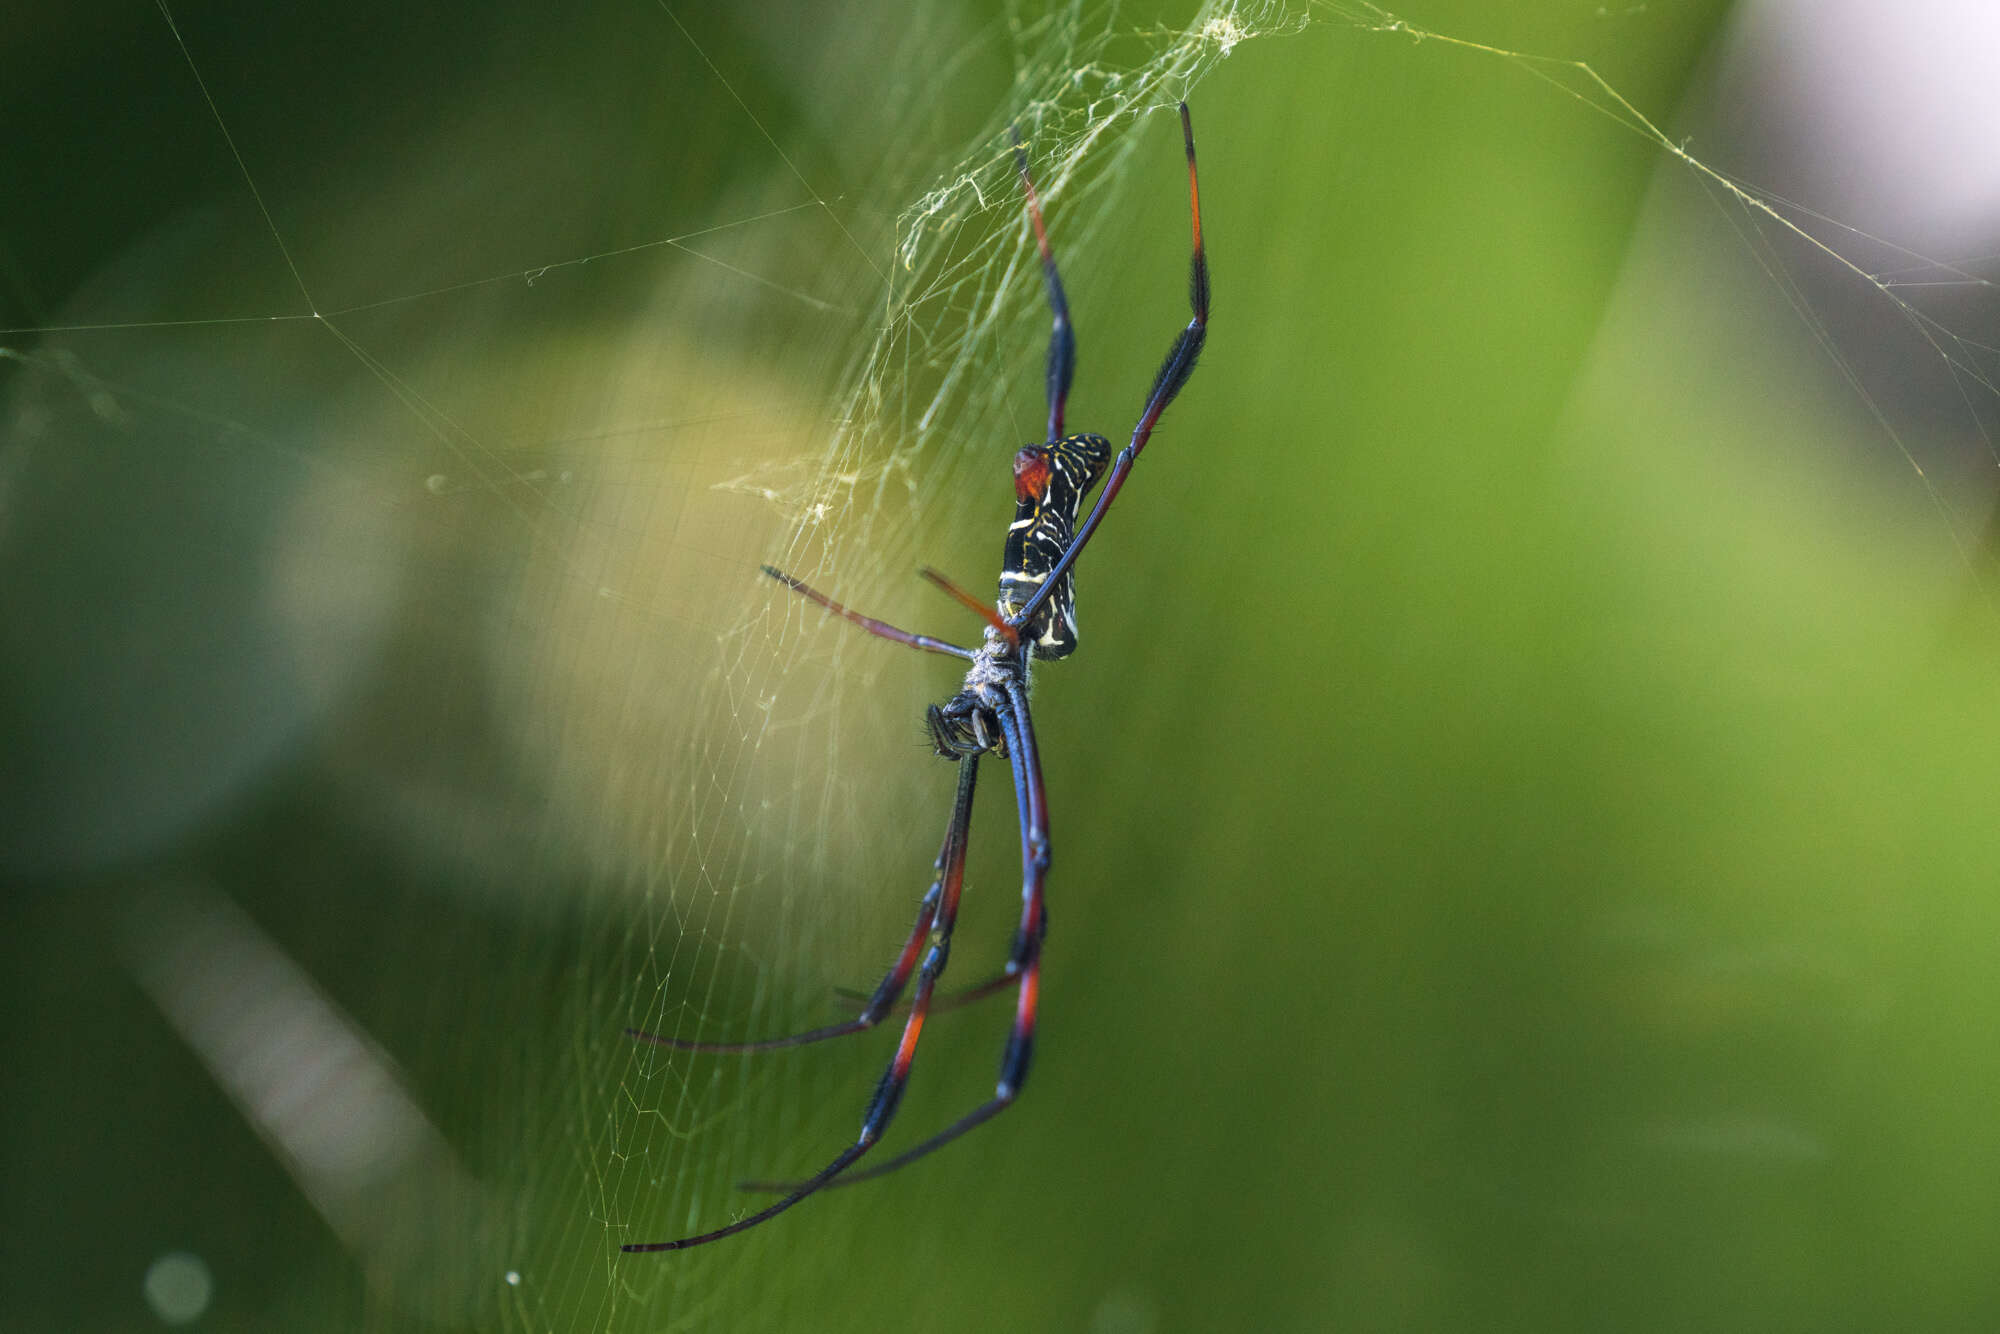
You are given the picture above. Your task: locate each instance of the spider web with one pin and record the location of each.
(422, 443)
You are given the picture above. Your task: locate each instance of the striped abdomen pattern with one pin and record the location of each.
(1050, 482)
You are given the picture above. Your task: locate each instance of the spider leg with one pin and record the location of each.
(868, 623)
(978, 608)
(879, 1004)
(1173, 374)
(950, 1000)
(1062, 339)
(889, 1092)
(1025, 964)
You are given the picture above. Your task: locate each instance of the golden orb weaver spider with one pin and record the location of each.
(1036, 618)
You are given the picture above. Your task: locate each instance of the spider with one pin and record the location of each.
(1036, 618)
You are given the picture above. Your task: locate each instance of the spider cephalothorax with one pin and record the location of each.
(968, 723)
(1036, 618)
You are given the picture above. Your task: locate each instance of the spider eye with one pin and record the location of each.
(1031, 474)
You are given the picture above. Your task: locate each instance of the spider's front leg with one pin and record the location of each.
(1024, 964)
(889, 1092)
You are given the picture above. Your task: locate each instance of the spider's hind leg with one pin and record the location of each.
(1062, 336)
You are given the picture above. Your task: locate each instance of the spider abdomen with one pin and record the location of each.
(1050, 482)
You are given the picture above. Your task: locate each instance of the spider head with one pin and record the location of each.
(962, 726)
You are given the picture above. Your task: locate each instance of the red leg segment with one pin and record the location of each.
(881, 1002)
(1174, 373)
(882, 1107)
(1025, 964)
(1062, 338)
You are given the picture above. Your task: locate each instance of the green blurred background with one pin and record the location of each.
(1522, 852)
